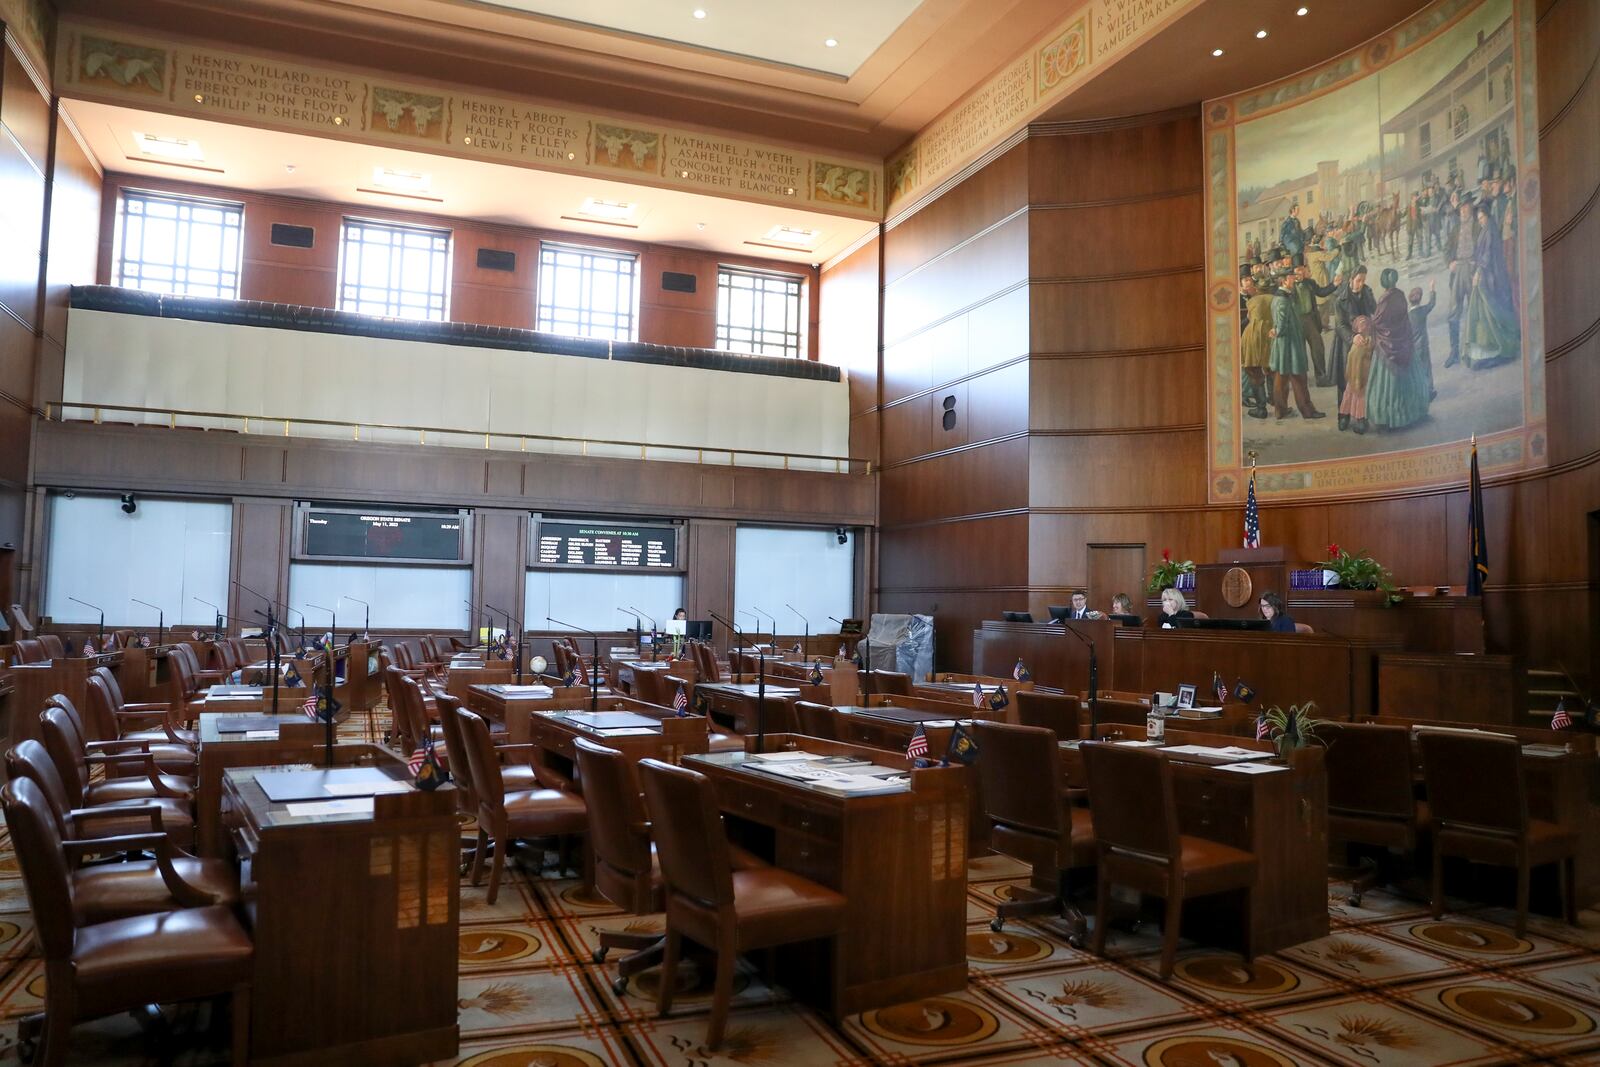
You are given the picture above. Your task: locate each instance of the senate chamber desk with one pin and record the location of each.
(1280, 816)
(899, 859)
(667, 738)
(355, 919)
(231, 739)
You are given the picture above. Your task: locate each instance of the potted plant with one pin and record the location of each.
(1169, 573)
(1292, 729)
(1361, 571)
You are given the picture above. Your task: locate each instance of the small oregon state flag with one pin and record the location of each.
(1244, 691)
(816, 677)
(962, 748)
(1020, 671)
(998, 699)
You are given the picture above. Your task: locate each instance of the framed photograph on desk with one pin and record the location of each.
(1185, 696)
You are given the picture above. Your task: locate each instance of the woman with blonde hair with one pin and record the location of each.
(1173, 606)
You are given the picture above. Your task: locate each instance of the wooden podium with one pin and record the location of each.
(1231, 587)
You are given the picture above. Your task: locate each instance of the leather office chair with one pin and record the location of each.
(625, 868)
(505, 813)
(1136, 833)
(1040, 826)
(149, 711)
(1303, 628)
(120, 759)
(706, 662)
(411, 723)
(1478, 808)
(1049, 711)
(103, 721)
(714, 904)
(203, 676)
(888, 683)
(107, 891)
(29, 650)
(1371, 792)
(72, 759)
(97, 969)
(817, 720)
(53, 648)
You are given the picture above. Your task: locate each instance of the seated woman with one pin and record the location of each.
(1122, 604)
(1272, 611)
(679, 614)
(1173, 606)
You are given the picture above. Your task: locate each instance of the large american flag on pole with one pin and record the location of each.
(1252, 518)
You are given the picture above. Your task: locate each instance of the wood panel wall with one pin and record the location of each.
(1090, 430)
(309, 276)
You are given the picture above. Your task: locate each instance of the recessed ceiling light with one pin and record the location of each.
(699, 12)
(168, 147)
(1303, 11)
(831, 43)
(1260, 34)
(606, 209)
(1216, 51)
(289, 167)
(699, 225)
(401, 181)
(792, 235)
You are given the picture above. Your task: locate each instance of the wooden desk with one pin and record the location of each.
(1563, 789)
(554, 734)
(1281, 817)
(900, 860)
(511, 706)
(36, 683)
(356, 924)
(1463, 688)
(732, 705)
(295, 739)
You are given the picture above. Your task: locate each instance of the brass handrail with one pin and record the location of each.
(55, 411)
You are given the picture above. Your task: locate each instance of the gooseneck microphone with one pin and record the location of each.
(594, 668)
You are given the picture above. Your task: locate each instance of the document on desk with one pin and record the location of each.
(315, 808)
(628, 731)
(1544, 751)
(1253, 768)
(522, 690)
(1208, 754)
(781, 757)
(352, 789)
(852, 785)
(261, 735)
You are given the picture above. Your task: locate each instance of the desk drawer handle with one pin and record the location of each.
(805, 824)
(805, 853)
(749, 805)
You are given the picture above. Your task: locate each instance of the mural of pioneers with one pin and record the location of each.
(1374, 262)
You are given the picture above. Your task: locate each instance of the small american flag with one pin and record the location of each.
(977, 694)
(418, 758)
(918, 748)
(310, 707)
(1563, 717)
(1252, 518)
(197, 635)
(1263, 731)
(144, 640)
(88, 647)
(842, 653)
(680, 702)
(1220, 687)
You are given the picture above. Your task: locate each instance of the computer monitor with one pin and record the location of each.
(696, 629)
(1125, 620)
(1222, 624)
(1059, 612)
(1016, 616)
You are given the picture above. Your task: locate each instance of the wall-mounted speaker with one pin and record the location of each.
(948, 420)
(293, 236)
(674, 281)
(497, 259)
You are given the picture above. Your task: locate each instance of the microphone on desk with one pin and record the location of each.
(594, 668)
(638, 625)
(865, 660)
(761, 682)
(754, 616)
(807, 622)
(333, 624)
(653, 642)
(1094, 679)
(217, 629)
(366, 622)
(773, 619)
(161, 616)
(100, 640)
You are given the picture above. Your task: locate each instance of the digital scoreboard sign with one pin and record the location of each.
(383, 535)
(601, 544)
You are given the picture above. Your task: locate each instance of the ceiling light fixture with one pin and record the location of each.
(1303, 11)
(607, 209)
(401, 181)
(699, 12)
(1260, 34)
(831, 43)
(792, 235)
(168, 147)
(1216, 51)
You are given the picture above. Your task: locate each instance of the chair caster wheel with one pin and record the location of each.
(1077, 941)
(599, 955)
(26, 1051)
(1354, 900)
(997, 924)
(620, 986)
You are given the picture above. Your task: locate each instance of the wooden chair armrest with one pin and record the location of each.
(79, 815)
(147, 707)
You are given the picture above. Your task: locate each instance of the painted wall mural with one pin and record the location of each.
(1373, 256)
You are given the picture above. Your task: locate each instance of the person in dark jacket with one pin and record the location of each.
(1272, 611)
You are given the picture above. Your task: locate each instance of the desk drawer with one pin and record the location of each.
(810, 857)
(1214, 809)
(814, 821)
(754, 803)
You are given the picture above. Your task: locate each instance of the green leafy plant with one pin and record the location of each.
(1166, 573)
(1360, 571)
(1292, 729)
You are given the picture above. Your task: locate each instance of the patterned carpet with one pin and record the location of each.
(1389, 986)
